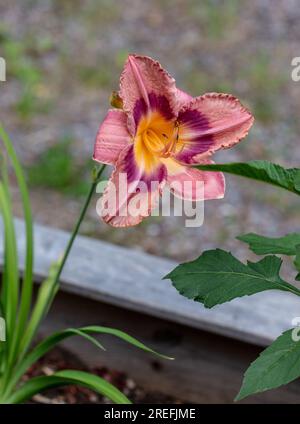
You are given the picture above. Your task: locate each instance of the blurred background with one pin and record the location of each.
(64, 58)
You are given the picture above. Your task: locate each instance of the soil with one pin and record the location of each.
(60, 359)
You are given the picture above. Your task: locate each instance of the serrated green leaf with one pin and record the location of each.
(297, 261)
(63, 378)
(260, 170)
(297, 180)
(261, 245)
(217, 277)
(277, 365)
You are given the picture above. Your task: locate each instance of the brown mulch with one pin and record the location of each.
(60, 359)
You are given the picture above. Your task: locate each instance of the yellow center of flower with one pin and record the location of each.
(156, 139)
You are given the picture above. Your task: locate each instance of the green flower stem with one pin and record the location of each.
(96, 180)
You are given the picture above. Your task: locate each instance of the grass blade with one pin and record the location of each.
(124, 336)
(46, 294)
(11, 281)
(46, 345)
(28, 273)
(63, 378)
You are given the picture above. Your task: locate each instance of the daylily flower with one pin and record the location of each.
(158, 134)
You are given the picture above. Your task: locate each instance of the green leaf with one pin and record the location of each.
(11, 280)
(261, 245)
(277, 365)
(85, 335)
(297, 180)
(51, 341)
(124, 336)
(297, 261)
(44, 347)
(63, 378)
(217, 277)
(260, 170)
(46, 294)
(25, 302)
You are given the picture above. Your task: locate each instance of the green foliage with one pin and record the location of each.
(286, 245)
(276, 365)
(217, 277)
(297, 180)
(261, 170)
(23, 316)
(261, 245)
(64, 378)
(297, 262)
(56, 169)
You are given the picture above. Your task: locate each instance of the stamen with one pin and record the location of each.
(154, 141)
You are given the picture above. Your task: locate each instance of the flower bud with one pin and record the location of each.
(115, 100)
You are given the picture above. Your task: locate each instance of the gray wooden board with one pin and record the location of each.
(208, 368)
(133, 280)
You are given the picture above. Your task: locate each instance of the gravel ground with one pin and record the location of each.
(73, 52)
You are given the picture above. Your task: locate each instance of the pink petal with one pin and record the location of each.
(183, 98)
(130, 196)
(112, 137)
(209, 123)
(183, 182)
(145, 86)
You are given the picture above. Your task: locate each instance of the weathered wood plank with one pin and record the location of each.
(208, 368)
(132, 279)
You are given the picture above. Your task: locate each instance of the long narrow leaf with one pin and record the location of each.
(46, 345)
(5, 282)
(42, 348)
(27, 280)
(63, 378)
(46, 294)
(11, 267)
(124, 336)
